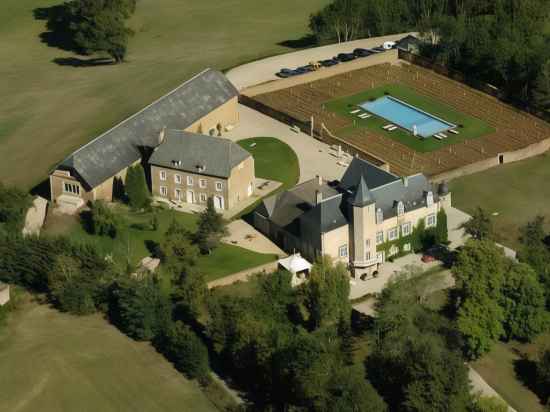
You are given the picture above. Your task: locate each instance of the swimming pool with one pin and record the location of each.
(407, 116)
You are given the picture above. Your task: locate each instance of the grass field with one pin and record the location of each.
(508, 369)
(469, 127)
(133, 242)
(48, 110)
(54, 362)
(518, 192)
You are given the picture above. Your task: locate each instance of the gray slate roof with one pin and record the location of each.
(374, 176)
(218, 156)
(119, 147)
(362, 196)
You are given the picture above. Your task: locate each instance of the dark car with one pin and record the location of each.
(285, 73)
(378, 49)
(346, 57)
(302, 70)
(329, 62)
(361, 52)
(307, 68)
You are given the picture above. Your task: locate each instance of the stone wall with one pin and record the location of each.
(244, 275)
(4, 294)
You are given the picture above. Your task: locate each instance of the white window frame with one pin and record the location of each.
(394, 250)
(429, 199)
(72, 188)
(379, 216)
(407, 247)
(343, 251)
(162, 175)
(177, 194)
(433, 218)
(379, 237)
(406, 229)
(177, 179)
(394, 230)
(367, 256)
(219, 186)
(163, 190)
(190, 181)
(202, 197)
(203, 183)
(400, 209)
(367, 243)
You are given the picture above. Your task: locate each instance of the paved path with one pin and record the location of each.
(314, 157)
(244, 235)
(264, 70)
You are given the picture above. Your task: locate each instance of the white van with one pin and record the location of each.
(388, 45)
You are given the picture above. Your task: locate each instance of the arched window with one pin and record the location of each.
(400, 209)
(379, 216)
(429, 199)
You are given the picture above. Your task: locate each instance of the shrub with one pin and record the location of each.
(137, 190)
(103, 221)
(185, 350)
(14, 204)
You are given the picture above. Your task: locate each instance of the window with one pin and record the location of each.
(162, 175)
(177, 179)
(177, 194)
(407, 247)
(406, 229)
(219, 186)
(380, 257)
(367, 243)
(394, 250)
(379, 216)
(429, 199)
(367, 256)
(392, 234)
(430, 220)
(202, 183)
(400, 209)
(71, 188)
(343, 251)
(380, 237)
(189, 180)
(202, 197)
(164, 191)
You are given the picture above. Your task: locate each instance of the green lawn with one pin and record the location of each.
(273, 160)
(518, 192)
(55, 362)
(48, 110)
(471, 127)
(504, 368)
(133, 242)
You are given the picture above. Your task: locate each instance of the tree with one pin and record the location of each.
(211, 228)
(340, 20)
(99, 26)
(137, 190)
(327, 293)
(480, 226)
(185, 350)
(543, 374)
(139, 307)
(14, 204)
(441, 230)
(103, 221)
(176, 250)
(541, 90)
(189, 293)
(523, 301)
(489, 404)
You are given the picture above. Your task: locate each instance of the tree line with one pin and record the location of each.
(501, 42)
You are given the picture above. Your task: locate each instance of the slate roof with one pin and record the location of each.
(374, 176)
(119, 147)
(362, 196)
(218, 156)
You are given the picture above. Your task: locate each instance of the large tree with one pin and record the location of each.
(136, 187)
(14, 204)
(480, 225)
(210, 229)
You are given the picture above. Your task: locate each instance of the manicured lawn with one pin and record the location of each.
(471, 126)
(48, 110)
(508, 370)
(134, 243)
(55, 362)
(518, 192)
(273, 160)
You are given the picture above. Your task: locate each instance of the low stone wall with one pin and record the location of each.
(244, 275)
(534, 149)
(389, 56)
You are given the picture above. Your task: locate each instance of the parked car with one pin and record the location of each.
(346, 57)
(378, 49)
(302, 70)
(329, 62)
(284, 73)
(360, 52)
(388, 45)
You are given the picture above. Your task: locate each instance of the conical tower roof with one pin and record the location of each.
(362, 196)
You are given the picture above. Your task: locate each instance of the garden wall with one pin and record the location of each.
(244, 275)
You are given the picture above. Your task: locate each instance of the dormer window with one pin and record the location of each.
(429, 199)
(400, 209)
(201, 168)
(379, 216)
(176, 163)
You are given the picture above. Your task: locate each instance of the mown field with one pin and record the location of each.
(515, 193)
(47, 110)
(55, 362)
(469, 127)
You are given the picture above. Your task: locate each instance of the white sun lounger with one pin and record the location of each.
(364, 116)
(355, 111)
(443, 135)
(391, 129)
(386, 127)
(453, 131)
(438, 137)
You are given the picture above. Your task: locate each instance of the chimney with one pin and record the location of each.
(161, 135)
(319, 180)
(405, 181)
(318, 197)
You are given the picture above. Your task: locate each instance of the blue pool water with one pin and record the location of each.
(406, 116)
